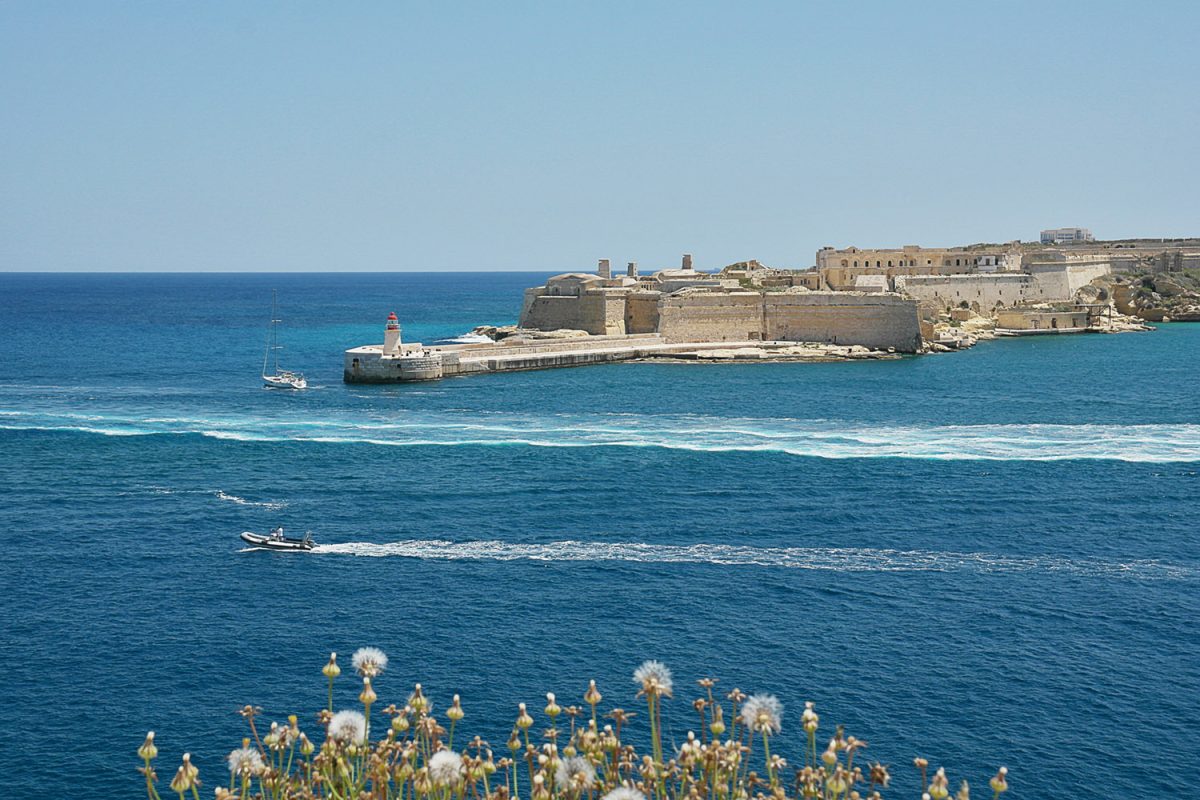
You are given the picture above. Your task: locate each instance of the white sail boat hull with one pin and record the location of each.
(285, 381)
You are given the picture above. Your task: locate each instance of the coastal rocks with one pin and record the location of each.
(1158, 297)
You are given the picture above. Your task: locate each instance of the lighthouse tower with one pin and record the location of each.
(391, 336)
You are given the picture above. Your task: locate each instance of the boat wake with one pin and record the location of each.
(1157, 443)
(808, 558)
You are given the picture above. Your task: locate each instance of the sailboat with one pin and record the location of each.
(281, 378)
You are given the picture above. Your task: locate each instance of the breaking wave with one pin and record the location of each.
(241, 501)
(467, 338)
(839, 559)
(1158, 443)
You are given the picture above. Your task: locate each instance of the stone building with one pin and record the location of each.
(1062, 235)
(1041, 320)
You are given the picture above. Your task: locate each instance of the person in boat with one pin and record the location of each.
(277, 533)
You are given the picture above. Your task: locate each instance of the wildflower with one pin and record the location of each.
(191, 769)
(348, 727)
(654, 678)
(246, 761)
(1000, 782)
(964, 792)
(575, 772)
(185, 776)
(809, 718)
(879, 775)
(445, 768)
(624, 793)
(939, 787)
(717, 726)
(524, 721)
(369, 661)
(592, 697)
(762, 712)
(331, 670)
(553, 709)
(148, 752)
(417, 700)
(180, 783)
(367, 696)
(455, 712)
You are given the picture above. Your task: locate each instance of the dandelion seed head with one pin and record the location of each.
(445, 768)
(624, 793)
(654, 677)
(369, 661)
(246, 761)
(575, 772)
(349, 727)
(762, 713)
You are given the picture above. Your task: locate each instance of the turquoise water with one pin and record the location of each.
(986, 557)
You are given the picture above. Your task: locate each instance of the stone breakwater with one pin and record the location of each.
(415, 362)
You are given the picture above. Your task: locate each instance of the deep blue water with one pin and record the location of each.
(987, 558)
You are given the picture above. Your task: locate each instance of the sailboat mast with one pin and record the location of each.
(275, 327)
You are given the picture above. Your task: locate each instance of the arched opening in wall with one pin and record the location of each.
(878, 264)
(956, 263)
(354, 365)
(889, 263)
(856, 263)
(845, 263)
(975, 307)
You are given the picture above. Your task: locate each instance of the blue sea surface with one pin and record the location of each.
(985, 558)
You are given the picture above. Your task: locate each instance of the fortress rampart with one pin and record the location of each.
(1049, 282)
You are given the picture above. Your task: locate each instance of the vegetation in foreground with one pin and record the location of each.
(408, 753)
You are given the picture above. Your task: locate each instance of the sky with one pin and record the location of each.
(356, 136)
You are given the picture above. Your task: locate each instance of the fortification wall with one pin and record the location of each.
(604, 313)
(641, 312)
(595, 312)
(1059, 282)
(1039, 283)
(875, 321)
(549, 312)
(980, 292)
(733, 317)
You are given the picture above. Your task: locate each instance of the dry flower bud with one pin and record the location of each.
(331, 670)
(147, 752)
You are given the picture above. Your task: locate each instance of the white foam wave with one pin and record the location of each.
(241, 501)
(809, 558)
(468, 338)
(1156, 443)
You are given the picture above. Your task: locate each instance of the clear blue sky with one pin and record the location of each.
(428, 136)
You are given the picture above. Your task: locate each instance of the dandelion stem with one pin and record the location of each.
(767, 756)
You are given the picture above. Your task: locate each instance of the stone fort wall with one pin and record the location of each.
(877, 321)
(846, 318)
(1040, 283)
(599, 314)
(711, 317)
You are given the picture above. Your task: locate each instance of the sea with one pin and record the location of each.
(985, 558)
